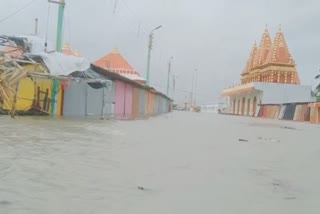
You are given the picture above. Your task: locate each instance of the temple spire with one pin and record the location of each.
(264, 48)
(266, 39)
(253, 55)
(279, 52)
(270, 61)
(249, 63)
(115, 50)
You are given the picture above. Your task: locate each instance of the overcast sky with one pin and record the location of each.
(214, 36)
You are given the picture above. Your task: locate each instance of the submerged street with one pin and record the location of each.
(175, 163)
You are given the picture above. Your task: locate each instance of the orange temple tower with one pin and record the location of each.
(270, 62)
(116, 63)
(269, 77)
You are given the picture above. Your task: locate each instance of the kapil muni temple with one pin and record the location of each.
(270, 84)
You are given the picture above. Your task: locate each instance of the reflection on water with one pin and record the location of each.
(185, 162)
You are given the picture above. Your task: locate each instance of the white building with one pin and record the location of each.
(244, 99)
(214, 108)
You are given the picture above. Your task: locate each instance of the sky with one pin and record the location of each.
(213, 37)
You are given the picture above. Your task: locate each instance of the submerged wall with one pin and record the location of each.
(302, 112)
(37, 94)
(111, 96)
(88, 99)
(315, 112)
(118, 99)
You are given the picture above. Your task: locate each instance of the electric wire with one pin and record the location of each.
(17, 11)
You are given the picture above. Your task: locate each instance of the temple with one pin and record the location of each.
(270, 62)
(66, 49)
(269, 77)
(116, 63)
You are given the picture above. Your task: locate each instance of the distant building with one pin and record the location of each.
(213, 108)
(116, 63)
(66, 49)
(269, 77)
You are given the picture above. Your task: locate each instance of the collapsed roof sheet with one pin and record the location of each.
(57, 63)
(61, 64)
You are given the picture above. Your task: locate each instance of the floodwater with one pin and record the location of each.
(185, 163)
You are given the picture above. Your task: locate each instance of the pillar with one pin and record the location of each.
(285, 77)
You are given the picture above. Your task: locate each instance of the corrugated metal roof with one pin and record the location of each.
(114, 76)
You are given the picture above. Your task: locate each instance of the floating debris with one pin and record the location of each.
(290, 198)
(141, 188)
(269, 139)
(10, 75)
(276, 184)
(243, 140)
(5, 202)
(287, 127)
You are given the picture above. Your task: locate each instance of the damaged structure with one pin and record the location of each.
(35, 79)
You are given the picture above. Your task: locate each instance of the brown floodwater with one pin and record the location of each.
(176, 163)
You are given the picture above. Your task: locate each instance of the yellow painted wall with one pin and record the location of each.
(28, 92)
(34, 68)
(44, 84)
(24, 96)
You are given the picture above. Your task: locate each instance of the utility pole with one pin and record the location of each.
(192, 87)
(169, 71)
(149, 57)
(150, 45)
(195, 87)
(191, 98)
(173, 86)
(59, 41)
(36, 26)
(186, 104)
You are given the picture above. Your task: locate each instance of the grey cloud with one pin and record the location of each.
(214, 36)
